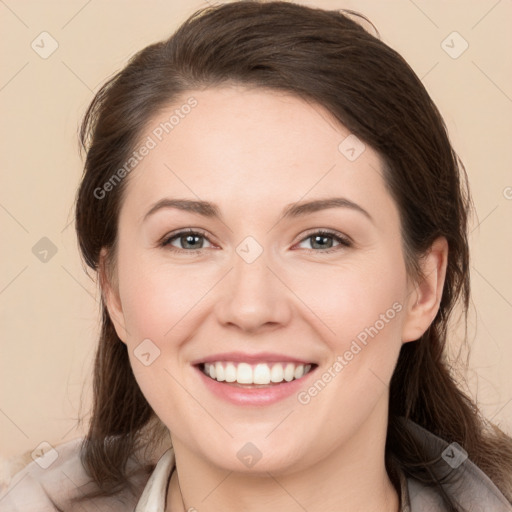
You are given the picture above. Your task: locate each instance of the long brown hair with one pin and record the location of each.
(327, 58)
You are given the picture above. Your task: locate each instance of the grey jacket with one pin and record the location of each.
(51, 489)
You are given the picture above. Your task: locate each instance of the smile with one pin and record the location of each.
(255, 374)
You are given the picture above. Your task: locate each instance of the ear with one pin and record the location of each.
(424, 296)
(110, 293)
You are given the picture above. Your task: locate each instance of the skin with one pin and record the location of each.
(252, 152)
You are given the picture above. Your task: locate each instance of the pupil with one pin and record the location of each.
(190, 239)
(322, 239)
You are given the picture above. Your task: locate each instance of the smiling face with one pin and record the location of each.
(261, 283)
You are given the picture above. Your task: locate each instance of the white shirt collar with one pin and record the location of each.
(154, 494)
(475, 490)
(153, 498)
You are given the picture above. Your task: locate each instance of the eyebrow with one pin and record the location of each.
(293, 210)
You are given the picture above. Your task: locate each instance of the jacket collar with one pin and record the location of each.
(472, 489)
(465, 483)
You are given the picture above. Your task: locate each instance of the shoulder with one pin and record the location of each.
(465, 483)
(54, 481)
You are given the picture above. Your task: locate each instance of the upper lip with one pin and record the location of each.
(242, 357)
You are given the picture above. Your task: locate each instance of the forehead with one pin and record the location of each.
(251, 148)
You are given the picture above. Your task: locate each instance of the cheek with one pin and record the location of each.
(156, 298)
(351, 298)
(363, 306)
(159, 300)
(160, 305)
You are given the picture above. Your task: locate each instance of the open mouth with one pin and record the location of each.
(240, 374)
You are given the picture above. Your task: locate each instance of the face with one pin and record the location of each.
(263, 290)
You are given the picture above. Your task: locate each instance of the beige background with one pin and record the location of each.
(49, 310)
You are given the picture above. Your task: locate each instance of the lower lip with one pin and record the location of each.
(254, 396)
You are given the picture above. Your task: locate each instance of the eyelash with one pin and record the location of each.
(343, 241)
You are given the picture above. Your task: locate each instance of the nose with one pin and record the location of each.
(254, 297)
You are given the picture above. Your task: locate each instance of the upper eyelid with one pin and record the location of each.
(326, 231)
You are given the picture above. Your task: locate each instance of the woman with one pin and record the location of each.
(278, 223)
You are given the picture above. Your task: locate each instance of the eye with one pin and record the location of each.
(190, 241)
(323, 240)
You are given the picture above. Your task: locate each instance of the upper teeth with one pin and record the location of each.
(260, 373)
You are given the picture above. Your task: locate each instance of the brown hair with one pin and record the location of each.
(326, 58)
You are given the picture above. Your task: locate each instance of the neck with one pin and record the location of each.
(352, 478)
